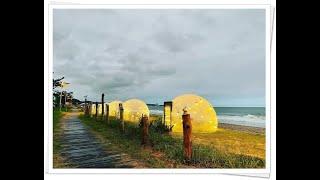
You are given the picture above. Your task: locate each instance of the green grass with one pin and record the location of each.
(57, 159)
(56, 117)
(56, 129)
(166, 150)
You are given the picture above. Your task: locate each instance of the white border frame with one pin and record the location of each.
(48, 112)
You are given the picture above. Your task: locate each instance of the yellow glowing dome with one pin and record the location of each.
(99, 109)
(133, 110)
(202, 113)
(93, 109)
(114, 108)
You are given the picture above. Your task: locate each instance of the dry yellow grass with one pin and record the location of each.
(233, 141)
(230, 140)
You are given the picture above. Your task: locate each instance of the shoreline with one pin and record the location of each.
(249, 129)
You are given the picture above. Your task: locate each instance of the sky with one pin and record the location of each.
(156, 55)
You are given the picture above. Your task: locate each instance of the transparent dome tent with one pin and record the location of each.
(134, 109)
(93, 109)
(99, 109)
(202, 114)
(114, 109)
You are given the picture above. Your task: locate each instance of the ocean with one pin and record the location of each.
(246, 116)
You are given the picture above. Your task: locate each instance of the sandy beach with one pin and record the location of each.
(249, 129)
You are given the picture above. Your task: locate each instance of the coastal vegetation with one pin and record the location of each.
(224, 149)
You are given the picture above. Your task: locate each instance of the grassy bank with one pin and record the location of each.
(57, 115)
(166, 150)
(56, 118)
(57, 159)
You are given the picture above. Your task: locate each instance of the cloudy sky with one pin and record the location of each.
(155, 55)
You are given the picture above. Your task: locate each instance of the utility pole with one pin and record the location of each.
(63, 85)
(60, 100)
(65, 100)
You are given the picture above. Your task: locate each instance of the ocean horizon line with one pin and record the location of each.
(154, 104)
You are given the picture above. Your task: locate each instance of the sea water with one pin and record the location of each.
(245, 116)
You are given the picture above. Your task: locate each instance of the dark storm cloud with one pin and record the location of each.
(158, 54)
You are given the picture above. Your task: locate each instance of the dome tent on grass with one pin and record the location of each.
(134, 109)
(114, 109)
(202, 113)
(93, 109)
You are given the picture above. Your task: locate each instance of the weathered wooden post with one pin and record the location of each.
(96, 115)
(145, 130)
(87, 110)
(102, 106)
(85, 106)
(187, 130)
(90, 109)
(107, 113)
(121, 116)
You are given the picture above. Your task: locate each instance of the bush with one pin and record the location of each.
(158, 126)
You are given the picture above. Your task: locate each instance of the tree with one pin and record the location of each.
(57, 82)
(56, 93)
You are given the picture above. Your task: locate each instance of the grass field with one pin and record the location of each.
(223, 149)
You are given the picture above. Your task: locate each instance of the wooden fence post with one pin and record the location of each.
(102, 106)
(90, 109)
(121, 116)
(145, 130)
(96, 115)
(85, 107)
(107, 113)
(187, 131)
